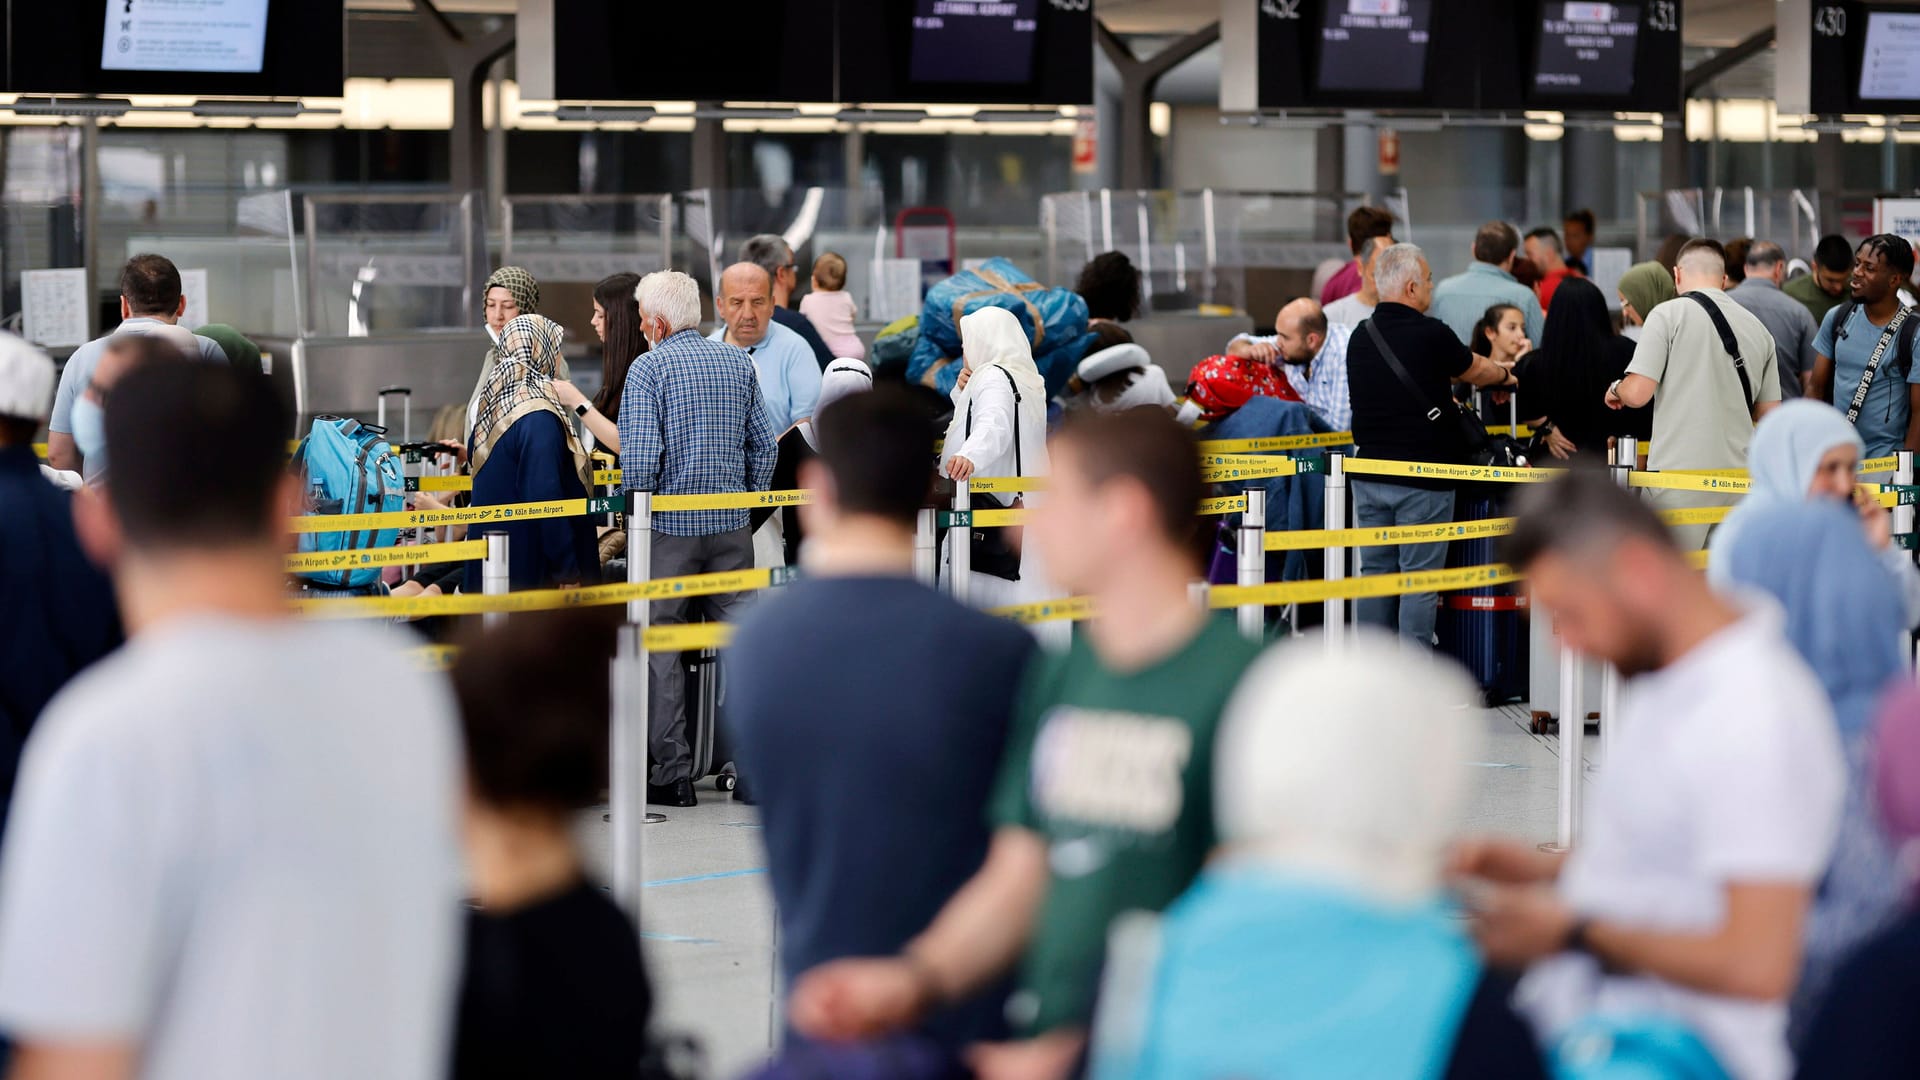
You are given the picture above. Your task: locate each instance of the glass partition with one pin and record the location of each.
(580, 239)
(1790, 217)
(384, 264)
(234, 260)
(814, 220)
(35, 235)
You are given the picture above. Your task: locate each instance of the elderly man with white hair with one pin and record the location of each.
(1709, 367)
(692, 422)
(1401, 367)
(1320, 940)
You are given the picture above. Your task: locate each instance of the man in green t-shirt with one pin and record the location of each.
(1825, 287)
(1105, 803)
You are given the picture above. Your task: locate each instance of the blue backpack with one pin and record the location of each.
(348, 468)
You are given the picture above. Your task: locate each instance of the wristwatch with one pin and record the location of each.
(1613, 390)
(580, 410)
(1577, 937)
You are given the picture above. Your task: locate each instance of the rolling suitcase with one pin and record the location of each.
(706, 736)
(1486, 628)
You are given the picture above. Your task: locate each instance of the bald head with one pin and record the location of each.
(746, 303)
(1300, 330)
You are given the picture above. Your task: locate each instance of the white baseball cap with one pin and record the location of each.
(26, 379)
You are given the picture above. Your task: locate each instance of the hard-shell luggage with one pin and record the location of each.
(1485, 628)
(706, 735)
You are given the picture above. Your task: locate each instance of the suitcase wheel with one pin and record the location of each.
(726, 781)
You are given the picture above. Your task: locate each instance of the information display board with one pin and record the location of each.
(184, 35)
(1865, 58)
(989, 52)
(235, 48)
(1374, 46)
(1586, 49)
(974, 41)
(752, 50)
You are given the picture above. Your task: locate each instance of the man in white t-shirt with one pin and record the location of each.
(1351, 311)
(1714, 814)
(233, 848)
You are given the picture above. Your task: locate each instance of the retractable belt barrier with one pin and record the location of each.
(382, 607)
(481, 515)
(1310, 539)
(453, 551)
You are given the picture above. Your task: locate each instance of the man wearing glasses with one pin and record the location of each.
(772, 253)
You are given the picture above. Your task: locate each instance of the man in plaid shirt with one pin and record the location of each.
(691, 423)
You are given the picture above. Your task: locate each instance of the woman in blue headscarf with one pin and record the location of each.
(1805, 451)
(1848, 623)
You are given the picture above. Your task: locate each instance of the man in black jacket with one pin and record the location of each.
(1403, 411)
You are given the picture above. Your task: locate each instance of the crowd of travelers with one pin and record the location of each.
(1142, 846)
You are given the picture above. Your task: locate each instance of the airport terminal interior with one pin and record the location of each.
(1041, 538)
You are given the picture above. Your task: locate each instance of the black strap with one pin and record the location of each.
(1887, 336)
(1019, 467)
(1386, 353)
(1727, 342)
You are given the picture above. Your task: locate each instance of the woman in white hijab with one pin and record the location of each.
(999, 430)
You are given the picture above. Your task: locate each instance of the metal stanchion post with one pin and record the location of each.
(494, 580)
(1626, 455)
(1335, 617)
(1903, 527)
(1573, 731)
(959, 542)
(926, 553)
(628, 773)
(1253, 561)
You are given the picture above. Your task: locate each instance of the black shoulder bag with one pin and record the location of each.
(997, 551)
(1480, 448)
(1888, 336)
(1729, 343)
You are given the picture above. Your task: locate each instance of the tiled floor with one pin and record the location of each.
(707, 914)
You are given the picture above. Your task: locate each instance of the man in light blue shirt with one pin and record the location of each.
(150, 296)
(1850, 334)
(1311, 353)
(789, 374)
(1462, 299)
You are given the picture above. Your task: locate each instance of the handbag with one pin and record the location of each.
(997, 551)
(1480, 447)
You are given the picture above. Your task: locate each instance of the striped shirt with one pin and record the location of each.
(692, 423)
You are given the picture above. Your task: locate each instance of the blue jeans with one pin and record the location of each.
(1377, 505)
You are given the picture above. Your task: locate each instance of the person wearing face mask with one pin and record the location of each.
(123, 353)
(1805, 451)
(150, 299)
(510, 292)
(692, 422)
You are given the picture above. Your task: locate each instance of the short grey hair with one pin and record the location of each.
(671, 295)
(1396, 268)
(1765, 255)
(768, 251)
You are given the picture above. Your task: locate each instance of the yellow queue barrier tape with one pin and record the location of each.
(1673, 481)
(1227, 504)
(1309, 539)
(1278, 442)
(995, 519)
(1221, 468)
(1704, 515)
(380, 607)
(987, 485)
(687, 637)
(603, 477)
(1072, 608)
(1429, 471)
(1521, 432)
(466, 515)
(1308, 592)
(457, 551)
(1880, 464)
(433, 657)
(439, 483)
(744, 500)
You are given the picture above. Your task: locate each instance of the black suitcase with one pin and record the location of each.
(1485, 628)
(706, 736)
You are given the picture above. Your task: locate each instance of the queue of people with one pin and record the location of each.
(1151, 852)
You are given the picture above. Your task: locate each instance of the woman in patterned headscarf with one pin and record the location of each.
(524, 449)
(510, 293)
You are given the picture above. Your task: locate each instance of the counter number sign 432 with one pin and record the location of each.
(1281, 9)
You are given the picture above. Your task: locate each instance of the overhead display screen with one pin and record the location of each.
(184, 35)
(231, 48)
(974, 41)
(1374, 46)
(1890, 57)
(1587, 49)
(988, 52)
(753, 50)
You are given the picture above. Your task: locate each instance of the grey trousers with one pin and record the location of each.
(674, 556)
